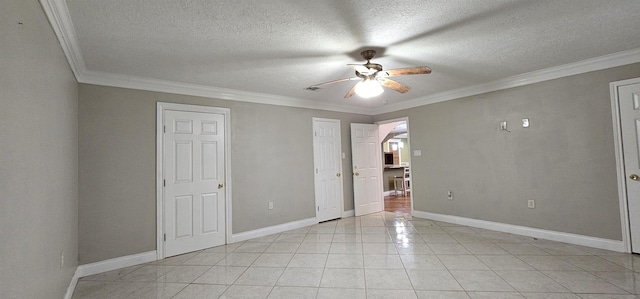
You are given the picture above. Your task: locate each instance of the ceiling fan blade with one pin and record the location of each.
(359, 68)
(395, 85)
(335, 81)
(416, 70)
(351, 91)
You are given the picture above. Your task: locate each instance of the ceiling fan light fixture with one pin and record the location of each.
(373, 78)
(368, 88)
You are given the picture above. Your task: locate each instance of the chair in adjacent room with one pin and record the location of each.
(407, 180)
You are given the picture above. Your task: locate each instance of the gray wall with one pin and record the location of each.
(565, 161)
(491, 173)
(38, 156)
(271, 156)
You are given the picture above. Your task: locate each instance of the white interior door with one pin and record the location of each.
(327, 153)
(629, 97)
(367, 169)
(194, 192)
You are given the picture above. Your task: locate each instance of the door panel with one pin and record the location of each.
(210, 160)
(629, 97)
(367, 169)
(183, 211)
(183, 161)
(209, 203)
(327, 149)
(194, 194)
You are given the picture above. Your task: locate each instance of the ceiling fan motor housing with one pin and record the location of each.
(372, 68)
(368, 54)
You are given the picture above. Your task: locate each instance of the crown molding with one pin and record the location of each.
(59, 17)
(148, 84)
(60, 20)
(580, 67)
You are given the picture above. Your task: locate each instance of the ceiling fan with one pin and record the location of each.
(373, 77)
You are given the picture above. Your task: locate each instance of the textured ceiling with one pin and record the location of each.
(278, 47)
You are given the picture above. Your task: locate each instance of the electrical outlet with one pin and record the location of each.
(271, 205)
(531, 204)
(450, 195)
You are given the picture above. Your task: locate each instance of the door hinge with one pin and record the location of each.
(164, 129)
(164, 237)
(316, 170)
(164, 183)
(318, 208)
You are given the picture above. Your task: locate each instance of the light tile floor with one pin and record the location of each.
(383, 255)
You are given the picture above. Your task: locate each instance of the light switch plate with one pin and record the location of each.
(525, 122)
(531, 204)
(417, 153)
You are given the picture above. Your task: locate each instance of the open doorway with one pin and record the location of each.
(394, 140)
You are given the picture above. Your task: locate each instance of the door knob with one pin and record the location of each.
(634, 177)
(356, 174)
(338, 174)
(220, 186)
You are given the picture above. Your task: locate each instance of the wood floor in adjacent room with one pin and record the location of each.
(400, 205)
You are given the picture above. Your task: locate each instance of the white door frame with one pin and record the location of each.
(160, 108)
(406, 120)
(622, 182)
(314, 120)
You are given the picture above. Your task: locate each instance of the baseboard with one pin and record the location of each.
(72, 285)
(108, 265)
(116, 263)
(349, 213)
(570, 238)
(270, 230)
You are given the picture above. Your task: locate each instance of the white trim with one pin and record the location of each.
(160, 108)
(108, 265)
(621, 177)
(159, 181)
(406, 122)
(166, 86)
(60, 20)
(270, 230)
(410, 161)
(72, 285)
(576, 239)
(228, 181)
(115, 263)
(570, 69)
(349, 213)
